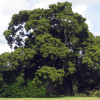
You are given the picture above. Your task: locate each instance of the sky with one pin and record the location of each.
(87, 8)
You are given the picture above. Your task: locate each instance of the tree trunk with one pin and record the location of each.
(65, 36)
(63, 65)
(68, 88)
(50, 89)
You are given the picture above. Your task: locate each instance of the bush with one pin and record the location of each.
(3, 87)
(17, 90)
(91, 93)
(80, 95)
(75, 89)
(14, 91)
(96, 93)
(35, 91)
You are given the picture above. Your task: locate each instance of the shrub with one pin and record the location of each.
(14, 91)
(75, 89)
(96, 93)
(80, 95)
(35, 91)
(91, 93)
(17, 90)
(3, 88)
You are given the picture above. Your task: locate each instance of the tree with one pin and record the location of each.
(91, 61)
(59, 38)
(49, 77)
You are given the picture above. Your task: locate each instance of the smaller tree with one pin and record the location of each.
(49, 77)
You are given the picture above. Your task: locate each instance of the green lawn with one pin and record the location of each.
(63, 98)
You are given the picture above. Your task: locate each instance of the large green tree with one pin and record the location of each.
(56, 37)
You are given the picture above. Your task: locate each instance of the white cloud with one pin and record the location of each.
(96, 33)
(44, 3)
(80, 9)
(83, 2)
(14, 6)
(1, 8)
(5, 48)
(89, 24)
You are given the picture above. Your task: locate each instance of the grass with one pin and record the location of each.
(61, 98)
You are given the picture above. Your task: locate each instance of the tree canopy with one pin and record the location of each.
(56, 47)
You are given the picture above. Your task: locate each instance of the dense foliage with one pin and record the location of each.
(55, 55)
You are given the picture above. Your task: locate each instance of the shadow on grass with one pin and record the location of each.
(55, 96)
